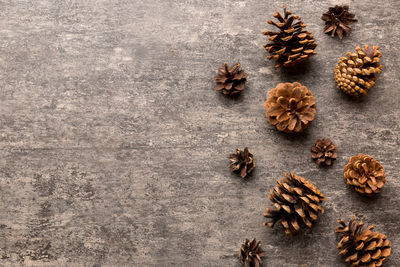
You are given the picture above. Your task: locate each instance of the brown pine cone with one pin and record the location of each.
(324, 152)
(296, 201)
(290, 107)
(337, 20)
(356, 73)
(291, 44)
(365, 174)
(362, 248)
(230, 80)
(250, 253)
(242, 162)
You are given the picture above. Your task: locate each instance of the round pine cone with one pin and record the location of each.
(296, 201)
(230, 80)
(365, 174)
(356, 73)
(324, 152)
(291, 44)
(250, 253)
(290, 107)
(242, 162)
(362, 248)
(337, 20)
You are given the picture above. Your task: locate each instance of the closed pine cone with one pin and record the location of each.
(356, 73)
(324, 152)
(250, 253)
(290, 107)
(242, 162)
(230, 80)
(291, 44)
(365, 174)
(362, 248)
(296, 201)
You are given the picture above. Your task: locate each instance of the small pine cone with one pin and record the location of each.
(356, 73)
(290, 107)
(250, 253)
(242, 162)
(291, 44)
(362, 248)
(337, 20)
(230, 80)
(324, 152)
(296, 201)
(365, 174)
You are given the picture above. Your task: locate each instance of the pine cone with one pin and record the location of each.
(365, 174)
(290, 107)
(337, 20)
(324, 152)
(362, 248)
(242, 162)
(230, 80)
(296, 201)
(356, 73)
(291, 44)
(250, 253)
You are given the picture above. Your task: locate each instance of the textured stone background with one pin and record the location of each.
(114, 142)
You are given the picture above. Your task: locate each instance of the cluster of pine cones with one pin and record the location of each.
(291, 107)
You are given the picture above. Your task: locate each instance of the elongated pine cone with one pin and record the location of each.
(356, 73)
(290, 107)
(291, 44)
(230, 80)
(365, 174)
(250, 253)
(324, 152)
(362, 248)
(242, 162)
(296, 201)
(337, 20)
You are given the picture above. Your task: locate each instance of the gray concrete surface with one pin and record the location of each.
(114, 142)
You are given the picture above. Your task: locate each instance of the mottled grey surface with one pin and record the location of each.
(114, 142)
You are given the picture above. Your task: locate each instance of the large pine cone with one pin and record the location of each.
(296, 201)
(242, 162)
(230, 80)
(356, 73)
(324, 152)
(337, 20)
(291, 44)
(250, 253)
(366, 175)
(362, 248)
(290, 107)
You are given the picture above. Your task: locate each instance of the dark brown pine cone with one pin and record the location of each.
(356, 73)
(297, 201)
(290, 107)
(230, 80)
(362, 248)
(365, 174)
(291, 44)
(337, 20)
(250, 253)
(324, 152)
(242, 162)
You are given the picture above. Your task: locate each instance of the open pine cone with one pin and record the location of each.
(291, 44)
(337, 20)
(324, 152)
(362, 248)
(356, 73)
(296, 201)
(230, 80)
(365, 174)
(290, 107)
(250, 253)
(242, 162)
